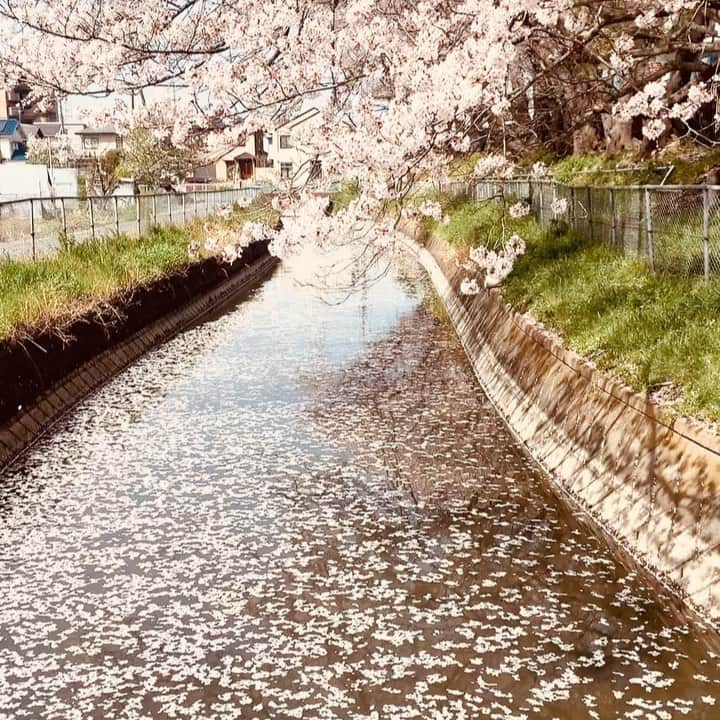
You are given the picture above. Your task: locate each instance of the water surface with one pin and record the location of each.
(306, 509)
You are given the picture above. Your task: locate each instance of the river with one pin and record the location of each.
(307, 508)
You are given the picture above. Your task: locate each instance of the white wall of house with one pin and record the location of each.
(96, 144)
(290, 158)
(9, 144)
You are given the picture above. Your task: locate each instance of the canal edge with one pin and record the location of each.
(648, 483)
(38, 418)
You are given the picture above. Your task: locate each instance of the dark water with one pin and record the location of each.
(310, 510)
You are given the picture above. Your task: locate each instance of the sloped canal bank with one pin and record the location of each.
(311, 510)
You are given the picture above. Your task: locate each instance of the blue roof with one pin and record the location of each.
(8, 127)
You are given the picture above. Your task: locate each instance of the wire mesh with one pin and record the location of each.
(40, 227)
(676, 229)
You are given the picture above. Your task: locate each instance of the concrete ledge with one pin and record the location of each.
(651, 482)
(38, 418)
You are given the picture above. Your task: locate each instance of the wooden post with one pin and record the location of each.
(169, 197)
(154, 199)
(183, 208)
(613, 227)
(137, 214)
(649, 226)
(590, 210)
(117, 216)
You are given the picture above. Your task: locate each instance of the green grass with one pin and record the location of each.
(52, 291)
(690, 164)
(349, 191)
(652, 331)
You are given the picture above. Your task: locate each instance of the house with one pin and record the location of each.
(55, 130)
(95, 142)
(13, 142)
(292, 159)
(16, 104)
(237, 165)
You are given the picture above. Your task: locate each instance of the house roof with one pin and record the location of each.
(8, 127)
(49, 129)
(229, 152)
(299, 119)
(31, 130)
(52, 129)
(104, 130)
(237, 154)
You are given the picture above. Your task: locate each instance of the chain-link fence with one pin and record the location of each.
(675, 228)
(39, 227)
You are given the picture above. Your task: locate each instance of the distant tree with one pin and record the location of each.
(155, 163)
(103, 175)
(54, 151)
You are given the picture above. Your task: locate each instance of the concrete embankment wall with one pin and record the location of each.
(651, 482)
(44, 377)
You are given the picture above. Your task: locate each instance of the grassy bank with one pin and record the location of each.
(52, 291)
(660, 334)
(679, 163)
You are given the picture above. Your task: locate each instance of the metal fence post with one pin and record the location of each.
(195, 203)
(649, 225)
(590, 211)
(207, 203)
(137, 214)
(613, 217)
(169, 197)
(540, 206)
(154, 200)
(64, 217)
(32, 228)
(706, 231)
(92, 217)
(117, 217)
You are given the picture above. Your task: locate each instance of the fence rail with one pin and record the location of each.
(36, 227)
(675, 228)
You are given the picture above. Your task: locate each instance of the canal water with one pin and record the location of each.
(307, 508)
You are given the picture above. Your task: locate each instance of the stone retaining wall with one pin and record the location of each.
(651, 482)
(49, 406)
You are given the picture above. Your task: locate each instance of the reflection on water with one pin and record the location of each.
(310, 510)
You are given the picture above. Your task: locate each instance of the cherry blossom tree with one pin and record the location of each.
(402, 85)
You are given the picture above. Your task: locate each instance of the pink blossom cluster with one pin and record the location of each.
(494, 166)
(400, 87)
(307, 220)
(558, 207)
(226, 242)
(519, 210)
(496, 265)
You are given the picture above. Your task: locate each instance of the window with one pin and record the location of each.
(90, 142)
(286, 171)
(285, 142)
(269, 139)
